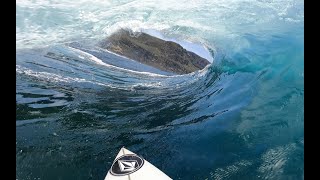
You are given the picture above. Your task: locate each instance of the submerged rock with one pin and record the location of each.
(164, 55)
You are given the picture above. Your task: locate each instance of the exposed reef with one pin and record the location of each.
(164, 55)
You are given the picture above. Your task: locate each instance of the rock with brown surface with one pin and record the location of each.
(164, 55)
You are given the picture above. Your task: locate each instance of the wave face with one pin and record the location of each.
(240, 118)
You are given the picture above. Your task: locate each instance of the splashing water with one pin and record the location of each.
(240, 118)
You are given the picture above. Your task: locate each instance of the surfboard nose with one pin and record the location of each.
(128, 165)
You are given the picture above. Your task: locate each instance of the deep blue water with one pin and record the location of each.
(240, 118)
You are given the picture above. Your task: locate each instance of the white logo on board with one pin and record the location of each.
(127, 165)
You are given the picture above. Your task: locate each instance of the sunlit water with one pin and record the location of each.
(240, 118)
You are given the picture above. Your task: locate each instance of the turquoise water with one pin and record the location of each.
(240, 118)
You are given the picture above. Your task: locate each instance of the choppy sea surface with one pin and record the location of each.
(242, 117)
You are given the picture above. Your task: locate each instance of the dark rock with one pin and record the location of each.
(164, 55)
